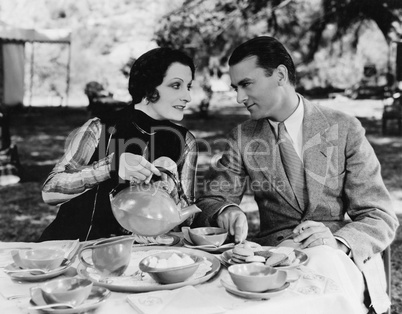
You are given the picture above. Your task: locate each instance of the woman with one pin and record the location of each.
(101, 157)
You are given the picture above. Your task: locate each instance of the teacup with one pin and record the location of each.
(70, 290)
(208, 236)
(110, 257)
(46, 259)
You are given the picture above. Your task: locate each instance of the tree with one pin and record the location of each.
(214, 27)
(353, 15)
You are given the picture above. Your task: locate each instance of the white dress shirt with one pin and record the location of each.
(294, 126)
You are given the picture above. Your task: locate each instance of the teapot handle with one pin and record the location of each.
(176, 182)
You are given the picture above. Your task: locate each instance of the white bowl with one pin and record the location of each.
(169, 275)
(70, 290)
(208, 236)
(46, 259)
(256, 277)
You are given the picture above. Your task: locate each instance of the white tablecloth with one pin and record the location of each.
(329, 283)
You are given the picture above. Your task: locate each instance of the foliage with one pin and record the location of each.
(212, 28)
(353, 15)
(105, 34)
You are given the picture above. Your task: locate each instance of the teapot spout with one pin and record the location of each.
(188, 211)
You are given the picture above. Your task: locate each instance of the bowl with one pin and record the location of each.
(46, 259)
(256, 277)
(170, 267)
(208, 236)
(70, 290)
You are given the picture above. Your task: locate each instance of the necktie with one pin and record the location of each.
(293, 165)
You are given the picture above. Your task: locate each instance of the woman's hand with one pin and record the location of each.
(170, 165)
(136, 168)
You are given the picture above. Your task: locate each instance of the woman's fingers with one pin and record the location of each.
(136, 166)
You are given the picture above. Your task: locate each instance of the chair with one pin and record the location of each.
(392, 112)
(386, 256)
(101, 102)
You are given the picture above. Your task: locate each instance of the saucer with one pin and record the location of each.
(174, 240)
(303, 258)
(265, 295)
(208, 248)
(27, 276)
(97, 297)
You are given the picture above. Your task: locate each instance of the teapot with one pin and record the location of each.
(147, 209)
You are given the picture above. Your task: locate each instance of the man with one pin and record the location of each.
(308, 166)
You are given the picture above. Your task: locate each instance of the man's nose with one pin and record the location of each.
(241, 96)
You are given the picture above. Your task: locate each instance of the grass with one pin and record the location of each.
(40, 134)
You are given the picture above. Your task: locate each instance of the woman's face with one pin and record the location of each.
(174, 94)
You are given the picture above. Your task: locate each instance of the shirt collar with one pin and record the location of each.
(293, 123)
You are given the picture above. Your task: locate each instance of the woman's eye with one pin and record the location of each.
(176, 86)
(189, 87)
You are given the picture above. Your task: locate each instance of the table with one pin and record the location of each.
(334, 292)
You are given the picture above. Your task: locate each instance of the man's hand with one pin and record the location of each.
(234, 221)
(136, 168)
(312, 233)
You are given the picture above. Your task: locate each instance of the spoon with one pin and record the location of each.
(47, 306)
(37, 271)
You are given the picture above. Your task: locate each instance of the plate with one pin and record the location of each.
(176, 240)
(129, 282)
(303, 257)
(26, 276)
(209, 248)
(266, 295)
(97, 296)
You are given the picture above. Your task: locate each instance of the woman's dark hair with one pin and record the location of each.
(149, 70)
(270, 54)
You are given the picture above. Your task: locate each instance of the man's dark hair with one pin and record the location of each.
(149, 70)
(270, 54)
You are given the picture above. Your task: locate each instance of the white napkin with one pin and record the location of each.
(12, 290)
(312, 283)
(180, 301)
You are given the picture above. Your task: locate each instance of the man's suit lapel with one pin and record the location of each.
(265, 153)
(317, 153)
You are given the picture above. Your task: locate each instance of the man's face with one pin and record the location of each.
(261, 94)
